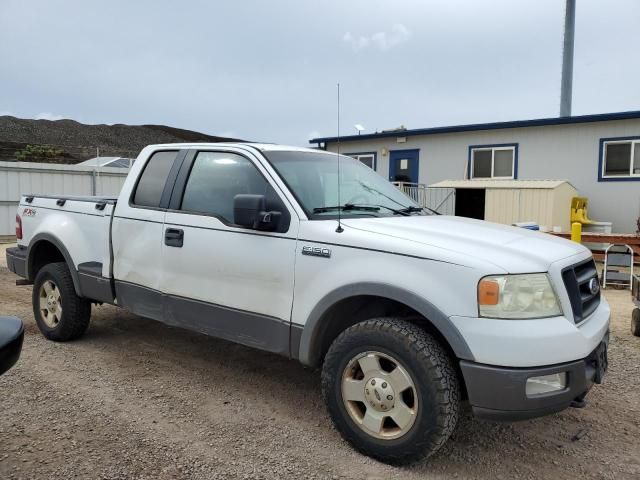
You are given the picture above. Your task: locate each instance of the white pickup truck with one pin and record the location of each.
(408, 313)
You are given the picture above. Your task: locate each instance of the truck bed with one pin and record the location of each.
(81, 224)
(29, 198)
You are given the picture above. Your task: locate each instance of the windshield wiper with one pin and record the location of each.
(412, 209)
(347, 207)
(409, 209)
(406, 211)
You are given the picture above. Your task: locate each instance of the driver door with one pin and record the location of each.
(219, 278)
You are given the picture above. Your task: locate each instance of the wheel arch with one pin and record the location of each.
(358, 302)
(45, 248)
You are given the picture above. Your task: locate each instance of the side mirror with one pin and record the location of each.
(249, 211)
(11, 336)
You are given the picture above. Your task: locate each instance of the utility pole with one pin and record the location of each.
(567, 59)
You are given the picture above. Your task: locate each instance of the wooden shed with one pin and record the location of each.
(546, 202)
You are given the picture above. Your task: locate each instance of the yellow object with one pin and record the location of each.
(579, 211)
(576, 232)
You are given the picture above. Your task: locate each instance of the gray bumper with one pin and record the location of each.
(17, 260)
(499, 393)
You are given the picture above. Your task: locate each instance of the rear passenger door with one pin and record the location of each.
(220, 278)
(137, 233)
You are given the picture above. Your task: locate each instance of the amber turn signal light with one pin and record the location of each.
(488, 292)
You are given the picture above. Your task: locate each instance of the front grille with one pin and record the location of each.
(576, 280)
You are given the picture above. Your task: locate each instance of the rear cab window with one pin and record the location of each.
(151, 184)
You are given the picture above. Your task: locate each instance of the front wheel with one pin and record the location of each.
(391, 389)
(60, 314)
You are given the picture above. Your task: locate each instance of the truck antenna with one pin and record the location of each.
(339, 229)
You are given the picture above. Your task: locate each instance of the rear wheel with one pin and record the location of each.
(391, 389)
(60, 314)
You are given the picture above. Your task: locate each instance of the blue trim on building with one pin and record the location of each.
(407, 150)
(602, 178)
(496, 145)
(541, 122)
(375, 157)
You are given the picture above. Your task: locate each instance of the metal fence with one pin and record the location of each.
(18, 178)
(442, 200)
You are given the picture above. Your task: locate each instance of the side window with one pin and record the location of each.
(217, 177)
(493, 162)
(369, 159)
(621, 159)
(152, 180)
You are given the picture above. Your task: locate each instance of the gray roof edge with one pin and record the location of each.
(540, 122)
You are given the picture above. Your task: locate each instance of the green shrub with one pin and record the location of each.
(32, 152)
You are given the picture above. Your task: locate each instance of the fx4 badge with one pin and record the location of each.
(29, 212)
(316, 251)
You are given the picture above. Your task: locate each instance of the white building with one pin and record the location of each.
(598, 154)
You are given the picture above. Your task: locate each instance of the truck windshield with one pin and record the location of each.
(313, 179)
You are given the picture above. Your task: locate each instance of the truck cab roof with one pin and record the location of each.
(265, 147)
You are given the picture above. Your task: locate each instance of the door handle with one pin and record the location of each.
(174, 237)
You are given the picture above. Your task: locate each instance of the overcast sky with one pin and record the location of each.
(267, 70)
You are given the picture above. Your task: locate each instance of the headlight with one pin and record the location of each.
(517, 297)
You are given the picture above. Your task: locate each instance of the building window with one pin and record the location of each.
(368, 158)
(620, 159)
(493, 161)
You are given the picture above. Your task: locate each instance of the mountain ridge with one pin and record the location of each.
(70, 141)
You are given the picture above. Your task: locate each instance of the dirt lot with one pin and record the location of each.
(137, 399)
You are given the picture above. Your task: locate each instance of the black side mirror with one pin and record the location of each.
(11, 336)
(249, 211)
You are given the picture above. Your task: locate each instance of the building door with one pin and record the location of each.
(403, 166)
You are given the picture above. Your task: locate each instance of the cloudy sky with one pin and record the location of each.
(267, 70)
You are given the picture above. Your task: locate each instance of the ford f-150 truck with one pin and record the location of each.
(315, 256)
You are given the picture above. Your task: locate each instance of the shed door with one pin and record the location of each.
(470, 202)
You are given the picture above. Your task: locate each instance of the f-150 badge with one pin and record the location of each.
(316, 251)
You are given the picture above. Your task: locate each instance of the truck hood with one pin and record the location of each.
(514, 250)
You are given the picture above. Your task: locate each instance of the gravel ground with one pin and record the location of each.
(137, 399)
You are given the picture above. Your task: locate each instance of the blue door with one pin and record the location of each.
(403, 166)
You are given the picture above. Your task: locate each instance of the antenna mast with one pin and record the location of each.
(339, 229)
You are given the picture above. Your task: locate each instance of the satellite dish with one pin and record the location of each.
(359, 128)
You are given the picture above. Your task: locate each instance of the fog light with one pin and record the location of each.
(546, 383)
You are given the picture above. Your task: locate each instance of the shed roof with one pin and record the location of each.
(119, 162)
(488, 183)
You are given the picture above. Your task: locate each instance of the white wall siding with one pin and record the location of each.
(511, 205)
(563, 152)
(19, 178)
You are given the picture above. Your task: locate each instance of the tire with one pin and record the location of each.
(635, 322)
(434, 397)
(60, 314)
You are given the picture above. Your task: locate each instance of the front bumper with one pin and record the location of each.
(535, 342)
(499, 393)
(17, 261)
